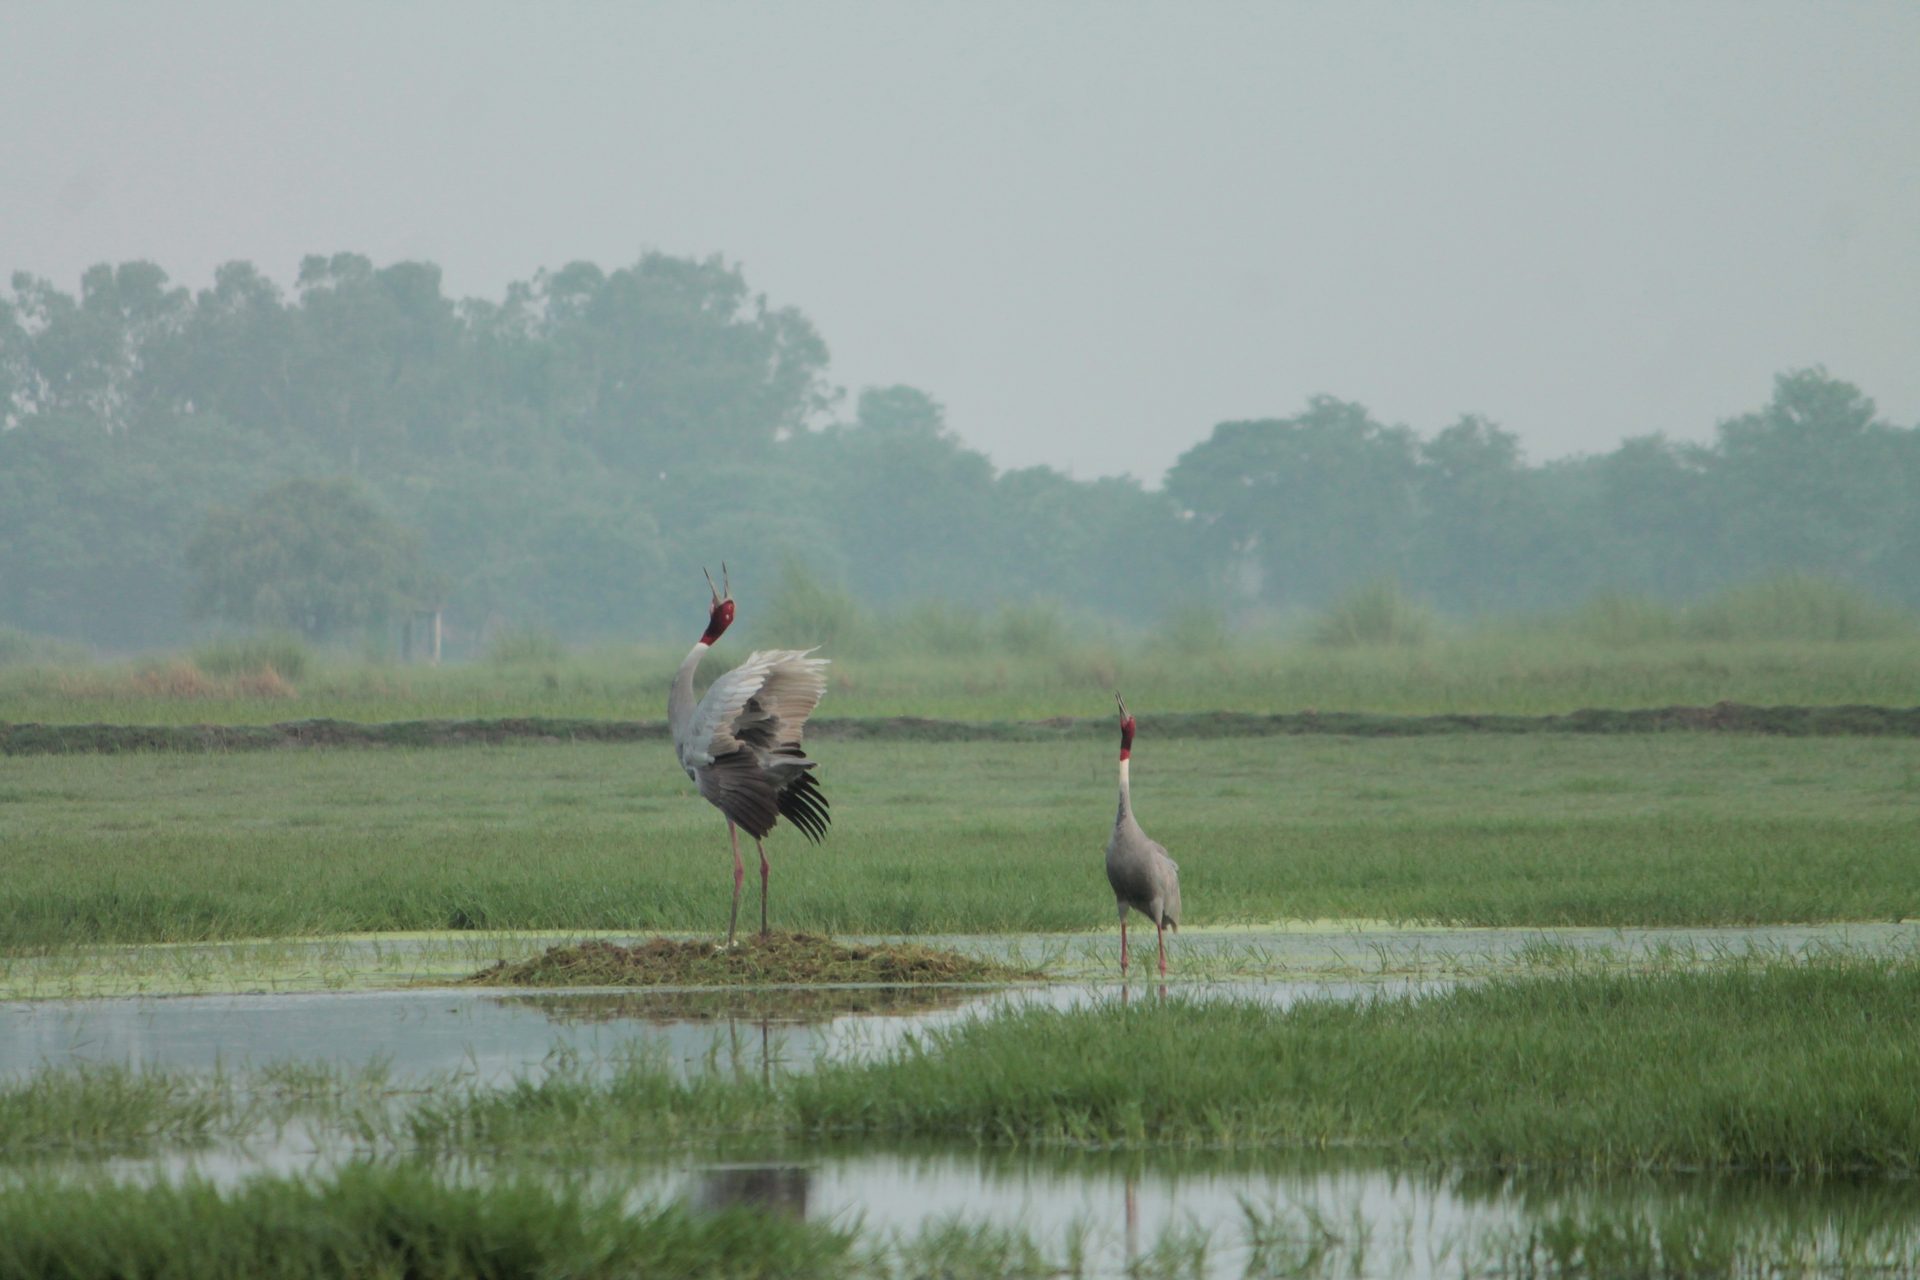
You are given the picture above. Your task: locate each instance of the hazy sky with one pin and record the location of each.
(1092, 230)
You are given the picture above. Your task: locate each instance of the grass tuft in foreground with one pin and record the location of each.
(400, 1221)
(760, 959)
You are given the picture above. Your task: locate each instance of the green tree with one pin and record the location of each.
(1483, 531)
(670, 364)
(1812, 481)
(1317, 502)
(312, 556)
(378, 370)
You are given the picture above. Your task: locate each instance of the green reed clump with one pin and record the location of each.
(370, 1220)
(111, 1111)
(1378, 613)
(644, 1106)
(1800, 1068)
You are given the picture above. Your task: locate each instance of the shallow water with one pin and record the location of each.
(496, 1035)
(1302, 950)
(1324, 1216)
(492, 1037)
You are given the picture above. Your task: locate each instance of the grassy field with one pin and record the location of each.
(982, 837)
(1508, 672)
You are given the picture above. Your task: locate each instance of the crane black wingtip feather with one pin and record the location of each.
(805, 806)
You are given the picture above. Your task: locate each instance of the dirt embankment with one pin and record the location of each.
(1722, 717)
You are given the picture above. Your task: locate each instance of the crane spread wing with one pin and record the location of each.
(742, 742)
(763, 703)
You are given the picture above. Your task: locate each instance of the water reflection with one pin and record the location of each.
(753, 1004)
(1327, 1215)
(773, 1188)
(494, 1037)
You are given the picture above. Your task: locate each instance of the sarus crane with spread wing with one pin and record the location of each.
(740, 743)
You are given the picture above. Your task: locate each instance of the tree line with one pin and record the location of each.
(323, 457)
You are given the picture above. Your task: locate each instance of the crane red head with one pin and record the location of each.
(1126, 727)
(721, 616)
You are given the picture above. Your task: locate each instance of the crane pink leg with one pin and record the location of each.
(739, 874)
(763, 887)
(1161, 929)
(1123, 942)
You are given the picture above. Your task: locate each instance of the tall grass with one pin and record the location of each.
(1789, 608)
(1797, 607)
(1796, 641)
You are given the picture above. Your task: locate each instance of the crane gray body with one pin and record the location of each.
(1143, 876)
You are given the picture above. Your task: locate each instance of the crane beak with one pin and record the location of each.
(1122, 705)
(726, 587)
(709, 578)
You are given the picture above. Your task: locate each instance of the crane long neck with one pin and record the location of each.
(680, 701)
(1126, 796)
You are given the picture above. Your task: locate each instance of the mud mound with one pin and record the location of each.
(758, 960)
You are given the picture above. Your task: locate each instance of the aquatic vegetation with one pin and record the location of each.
(1670, 1069)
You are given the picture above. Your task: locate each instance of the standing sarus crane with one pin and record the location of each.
(1142, 875)
(741, 742)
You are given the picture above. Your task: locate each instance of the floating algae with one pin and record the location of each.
(763, 959)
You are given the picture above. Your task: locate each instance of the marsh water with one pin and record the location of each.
(1149, 1211)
